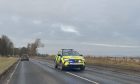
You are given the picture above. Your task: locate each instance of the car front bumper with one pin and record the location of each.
(24, 59)
(74, 65)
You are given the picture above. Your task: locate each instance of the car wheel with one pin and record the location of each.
(82, 68)
(62, 67)
(56, 66)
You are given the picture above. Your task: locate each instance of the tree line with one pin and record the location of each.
(7, 47)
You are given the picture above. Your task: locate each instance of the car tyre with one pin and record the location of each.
(62, 67)
(82, 68)
(56, 66)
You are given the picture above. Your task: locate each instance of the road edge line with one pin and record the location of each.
(11, 75)
(82, 78)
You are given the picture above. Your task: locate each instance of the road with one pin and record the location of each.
(42, 72)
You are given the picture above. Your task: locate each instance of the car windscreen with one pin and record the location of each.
(71, 53)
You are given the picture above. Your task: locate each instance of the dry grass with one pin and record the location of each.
(113, 62)
(5, 63)
(116, 62)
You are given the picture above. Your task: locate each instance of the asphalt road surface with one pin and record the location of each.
(42, 72)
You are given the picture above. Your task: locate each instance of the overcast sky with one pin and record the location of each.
(97, 27)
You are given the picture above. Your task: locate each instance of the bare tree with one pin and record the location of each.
(32, 47)
(6, 46)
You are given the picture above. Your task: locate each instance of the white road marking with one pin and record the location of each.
(82, 78)
(8, 81)
(51, 66)
(48, 64)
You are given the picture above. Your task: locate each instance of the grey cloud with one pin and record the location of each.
(113, 22)
(110, 45)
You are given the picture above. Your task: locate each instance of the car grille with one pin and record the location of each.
(74, 60)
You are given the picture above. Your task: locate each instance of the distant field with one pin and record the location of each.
(128, 63)
(5, 63)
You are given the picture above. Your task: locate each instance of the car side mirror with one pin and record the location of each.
(59, 54)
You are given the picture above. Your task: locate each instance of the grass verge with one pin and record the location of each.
(125, 63)
(5, 63)
(115, 62)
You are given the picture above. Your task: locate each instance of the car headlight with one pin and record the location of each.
(80, 61)
(66, 59)
(83, 59)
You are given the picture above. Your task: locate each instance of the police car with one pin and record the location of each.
(69, 58)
